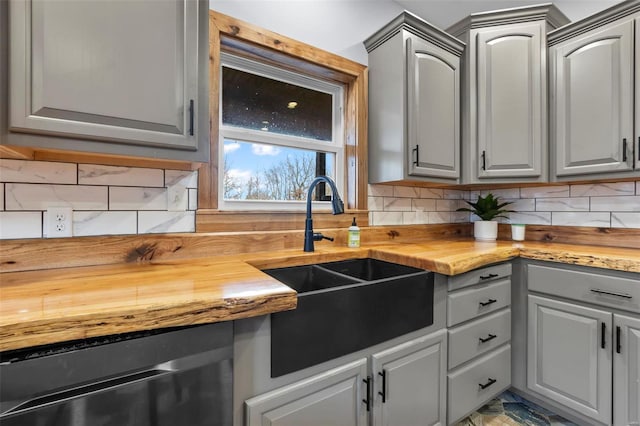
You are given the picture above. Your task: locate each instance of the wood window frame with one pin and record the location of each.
(241, 38)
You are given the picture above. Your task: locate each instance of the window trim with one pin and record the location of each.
(241, 38)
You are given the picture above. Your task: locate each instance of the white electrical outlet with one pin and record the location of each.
(59, 222)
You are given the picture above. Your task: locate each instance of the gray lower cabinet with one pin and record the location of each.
(406, 386)
(583, 333)
(592, 102)
(411, 383)
(333, 398)
(505, 88)
(476, 383)
(414, 103)
(479, 329)
(115, 77)
(626, 371)
(569, 357)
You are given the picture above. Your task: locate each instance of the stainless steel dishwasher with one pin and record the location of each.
(178, 377)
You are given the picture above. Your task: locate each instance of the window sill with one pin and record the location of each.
(226, 221)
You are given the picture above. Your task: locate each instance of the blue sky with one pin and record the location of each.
(246, 159)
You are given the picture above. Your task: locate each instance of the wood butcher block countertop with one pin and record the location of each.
(49, 306)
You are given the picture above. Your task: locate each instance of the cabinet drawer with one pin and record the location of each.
(490, 273)
(599, 289)
(477, 337)
(469, 303)
(465, 390)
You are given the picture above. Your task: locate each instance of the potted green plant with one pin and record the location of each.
(487, 209)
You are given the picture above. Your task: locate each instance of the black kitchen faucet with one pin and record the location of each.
(336, 204)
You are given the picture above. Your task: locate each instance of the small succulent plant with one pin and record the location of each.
(487, 208)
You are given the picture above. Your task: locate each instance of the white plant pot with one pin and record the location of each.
(485, 230)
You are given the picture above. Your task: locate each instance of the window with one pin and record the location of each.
(228, 35)
(278, 131)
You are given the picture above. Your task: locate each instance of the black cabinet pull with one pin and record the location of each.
(603, 330)
(486, 385)
(618, 343)
(383, 393)
(639, 149)
(488, 302)
(624, 150)
(484, 160)
(367, 400)
(191, 113)
(486, 339)
(487, 277)
(417, 151)
(610, 293)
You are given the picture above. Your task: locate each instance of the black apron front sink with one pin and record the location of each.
(349, 315)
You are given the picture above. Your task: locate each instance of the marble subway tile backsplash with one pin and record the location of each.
(578, 204)
(38, 172)
(599, 219)
(30, 197)
(95, 223)
(20, 225)
(625, 220)
(157, 222)
(407, 205)
(110, 200)
(606, 205)
(92, 174)
(136, 198)
(106, 200)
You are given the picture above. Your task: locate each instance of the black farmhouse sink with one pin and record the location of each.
(346, 306)
(306, 278)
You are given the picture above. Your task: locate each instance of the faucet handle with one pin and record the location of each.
(317, 236)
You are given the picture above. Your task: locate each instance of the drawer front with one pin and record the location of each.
(470, 303)
(604, 290)
(478, 337)
(490, 273)
(473, 385)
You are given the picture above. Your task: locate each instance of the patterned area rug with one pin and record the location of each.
(509, 409)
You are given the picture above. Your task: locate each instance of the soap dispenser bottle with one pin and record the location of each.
(353, 236)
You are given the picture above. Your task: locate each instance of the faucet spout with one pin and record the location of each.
(336, 204)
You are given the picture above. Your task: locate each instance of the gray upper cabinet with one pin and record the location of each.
(592, 103)
(510, 133)
(414, 103)
(110, 76)
(433, 116)
(504, 119)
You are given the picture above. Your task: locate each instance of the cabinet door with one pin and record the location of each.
(433, 88)
(569, 356)
(411, 383)
(593, 104)
(511, 101)
(333, 398)
(124, 71)
(626, 371)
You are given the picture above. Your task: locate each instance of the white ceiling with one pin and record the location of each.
(443, 13)
(340, 26)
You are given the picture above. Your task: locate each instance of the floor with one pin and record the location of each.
(509, 409)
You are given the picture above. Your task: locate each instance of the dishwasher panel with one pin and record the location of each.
(179, 377)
